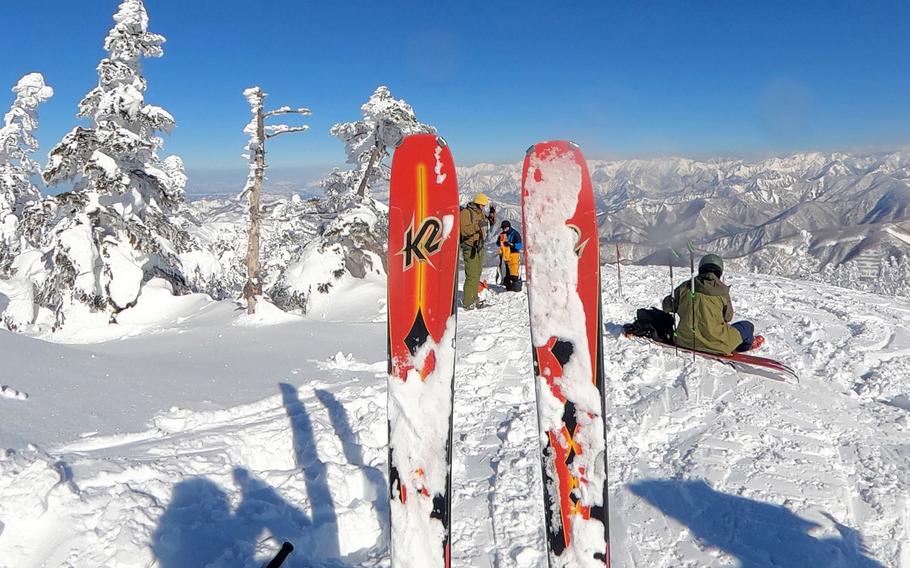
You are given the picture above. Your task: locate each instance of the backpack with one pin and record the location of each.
(471, 229)
(652, 323)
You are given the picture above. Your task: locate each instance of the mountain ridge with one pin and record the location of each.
(820, 201)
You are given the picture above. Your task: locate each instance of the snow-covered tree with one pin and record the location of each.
(845, 275)
(367, 142)
(17, 143)
(893, 276)
(259, 133)
(350, 240)
(349, 245)
(117, 227)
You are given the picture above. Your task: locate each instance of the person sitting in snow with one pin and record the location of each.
(474, 223)
(510, 256)
(711, 331)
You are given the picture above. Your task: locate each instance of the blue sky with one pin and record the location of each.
(624, 79)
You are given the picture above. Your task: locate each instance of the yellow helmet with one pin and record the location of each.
(481, 199)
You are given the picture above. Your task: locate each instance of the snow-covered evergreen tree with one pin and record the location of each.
(353, 228)
(893, 277)
(17, 143)
(367, 142)
(117, 227)
(845, 275)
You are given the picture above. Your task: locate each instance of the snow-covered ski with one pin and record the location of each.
(422, 263)
(563, 278)
(742, 362)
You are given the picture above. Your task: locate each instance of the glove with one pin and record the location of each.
(517, 246)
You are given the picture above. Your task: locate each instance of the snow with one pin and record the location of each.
(17, 300)
(448, 222)
(276, 129)
(125, 274)
(78, 242)
(437, 169)
(200, 442)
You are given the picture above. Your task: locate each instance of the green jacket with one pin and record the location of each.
(713, 311)
(473, 223)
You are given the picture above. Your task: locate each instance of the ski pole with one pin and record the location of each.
(618, 273)
(692, 289)
(286, 549)
(674, 298)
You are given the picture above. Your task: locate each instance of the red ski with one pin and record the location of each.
(563, 278)
(743, 363)
(422, 264)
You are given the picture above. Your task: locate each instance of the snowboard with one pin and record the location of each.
(562, 266)
(741, 362)
(422, 263)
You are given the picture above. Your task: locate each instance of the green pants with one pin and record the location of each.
(473, 265)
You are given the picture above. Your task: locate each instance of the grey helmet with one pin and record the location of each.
(711, 263)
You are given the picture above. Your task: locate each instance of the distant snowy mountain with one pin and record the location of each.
(829, 208)
(228, 182)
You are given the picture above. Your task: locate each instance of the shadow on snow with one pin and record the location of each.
(200, 529)
(353, 453)
(757, 534)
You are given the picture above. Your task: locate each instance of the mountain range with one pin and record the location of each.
(828, 208)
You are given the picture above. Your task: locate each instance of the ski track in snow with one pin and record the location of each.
(706, 467)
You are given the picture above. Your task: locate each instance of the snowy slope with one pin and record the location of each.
(206, 439)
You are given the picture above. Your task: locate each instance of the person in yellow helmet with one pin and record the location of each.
(475, 221)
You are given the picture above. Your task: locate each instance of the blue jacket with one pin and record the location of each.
(513, 237)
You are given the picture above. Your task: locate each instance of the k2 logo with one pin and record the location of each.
(422, 244)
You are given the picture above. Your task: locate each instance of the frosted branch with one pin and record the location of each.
(288, 110)
(280, 129)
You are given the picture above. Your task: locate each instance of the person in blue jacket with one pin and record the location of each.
(510, 256)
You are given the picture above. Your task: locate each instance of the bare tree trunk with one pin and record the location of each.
(253, 286)
(362, 188)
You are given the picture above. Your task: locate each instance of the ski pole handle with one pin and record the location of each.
(279, 559)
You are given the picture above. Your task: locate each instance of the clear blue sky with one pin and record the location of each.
(623, 78)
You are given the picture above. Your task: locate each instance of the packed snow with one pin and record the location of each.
(190, 440)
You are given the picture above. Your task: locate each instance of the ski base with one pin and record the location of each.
(741, 362)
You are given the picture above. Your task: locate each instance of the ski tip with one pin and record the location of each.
(441, 141)
(559, 146)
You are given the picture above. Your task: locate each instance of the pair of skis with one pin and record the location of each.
(563, 277)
